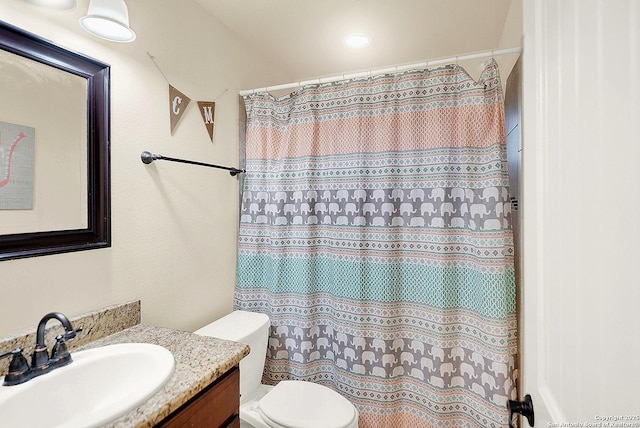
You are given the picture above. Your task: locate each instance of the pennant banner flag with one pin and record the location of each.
(207, 110)
(178, 103)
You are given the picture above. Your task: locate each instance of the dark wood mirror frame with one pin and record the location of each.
(98, 231)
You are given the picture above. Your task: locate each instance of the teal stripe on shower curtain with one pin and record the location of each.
(375, 233)
(488, 294)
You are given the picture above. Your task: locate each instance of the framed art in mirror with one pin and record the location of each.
(54, 148)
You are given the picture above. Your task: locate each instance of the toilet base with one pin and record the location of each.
(249, 415)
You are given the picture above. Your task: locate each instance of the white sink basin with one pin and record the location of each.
(99, 386)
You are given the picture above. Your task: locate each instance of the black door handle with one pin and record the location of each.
(524, 408)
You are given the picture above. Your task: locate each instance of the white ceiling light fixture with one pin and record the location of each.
(54, 4)
(357, 40)
(108, 19)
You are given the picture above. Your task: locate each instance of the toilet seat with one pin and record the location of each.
(299, 404)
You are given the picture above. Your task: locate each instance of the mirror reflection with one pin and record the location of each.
(43, 148)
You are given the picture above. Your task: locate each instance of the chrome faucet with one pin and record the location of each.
(20, 371)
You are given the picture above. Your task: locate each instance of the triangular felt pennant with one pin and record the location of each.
(207, 110)
(178, 103)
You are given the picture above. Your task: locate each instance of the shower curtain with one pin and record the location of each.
(375, 233)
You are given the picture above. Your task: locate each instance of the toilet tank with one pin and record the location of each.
(251, 329)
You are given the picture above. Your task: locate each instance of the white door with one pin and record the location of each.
(580, 205)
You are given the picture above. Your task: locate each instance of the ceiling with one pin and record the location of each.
(306, 37)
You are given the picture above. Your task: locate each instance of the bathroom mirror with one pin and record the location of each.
(54, 148)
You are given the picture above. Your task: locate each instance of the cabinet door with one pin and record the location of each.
(235, 423)
(216, 406)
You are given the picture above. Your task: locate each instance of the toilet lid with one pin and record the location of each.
(298, 404)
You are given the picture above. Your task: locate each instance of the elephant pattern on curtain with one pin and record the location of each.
(375, 233)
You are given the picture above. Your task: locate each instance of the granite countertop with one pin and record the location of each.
(200, 360)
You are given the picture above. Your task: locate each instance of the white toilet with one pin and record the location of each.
(290, 404)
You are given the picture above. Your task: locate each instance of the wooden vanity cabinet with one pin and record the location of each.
(218, 405)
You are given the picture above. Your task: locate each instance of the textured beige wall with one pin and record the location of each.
(174, 226)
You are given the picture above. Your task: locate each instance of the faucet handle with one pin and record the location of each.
(18, 367)
(15, 352)
(60, 352)
(71, 334)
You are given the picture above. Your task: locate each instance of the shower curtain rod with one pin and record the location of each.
(379, 71)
